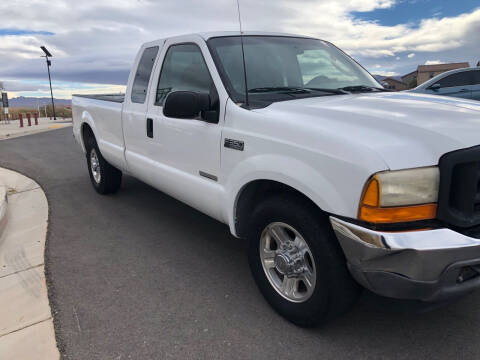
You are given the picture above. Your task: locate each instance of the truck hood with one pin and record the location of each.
(404, 129)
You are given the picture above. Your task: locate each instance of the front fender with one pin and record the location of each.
(288, 171)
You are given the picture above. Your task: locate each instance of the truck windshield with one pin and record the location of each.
(283, 68)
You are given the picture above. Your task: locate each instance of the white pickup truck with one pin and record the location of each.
(334, 181)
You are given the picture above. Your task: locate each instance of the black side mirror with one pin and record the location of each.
(435, 87)
(186, 104)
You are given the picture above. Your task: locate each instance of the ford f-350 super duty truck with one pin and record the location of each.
(336, 183)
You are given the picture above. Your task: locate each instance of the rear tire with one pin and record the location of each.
(315, 246)
(105, 178)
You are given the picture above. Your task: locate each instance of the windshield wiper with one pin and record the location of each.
(361, 88)
(291, 89)
(332, 91)
(277, 88)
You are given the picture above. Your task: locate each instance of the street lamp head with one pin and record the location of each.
(47, 53)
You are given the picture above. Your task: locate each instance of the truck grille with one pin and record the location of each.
(459, 196)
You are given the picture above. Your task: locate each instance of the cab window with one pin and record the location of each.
(183, 69)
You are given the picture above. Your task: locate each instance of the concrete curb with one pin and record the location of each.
(26, 326)
(3, 207)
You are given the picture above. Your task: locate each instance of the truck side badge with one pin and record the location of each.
(234, 144)
(207, 175)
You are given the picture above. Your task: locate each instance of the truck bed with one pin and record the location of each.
(118, 98)
(103, 113)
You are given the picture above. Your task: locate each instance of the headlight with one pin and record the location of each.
(400, 196)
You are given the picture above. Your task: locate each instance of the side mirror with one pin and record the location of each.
(435, 87)
(186, 104)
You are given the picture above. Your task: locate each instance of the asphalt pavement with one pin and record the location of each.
(139, 275)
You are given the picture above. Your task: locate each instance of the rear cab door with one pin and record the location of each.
(138, 146)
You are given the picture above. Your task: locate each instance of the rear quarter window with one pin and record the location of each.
(142, 76)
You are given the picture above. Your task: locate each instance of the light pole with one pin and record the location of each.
(1, 103)
(49, 63)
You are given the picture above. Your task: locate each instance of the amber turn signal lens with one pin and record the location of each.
(398, 214)
(371, 196)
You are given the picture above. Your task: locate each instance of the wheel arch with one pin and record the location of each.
(86, 131)
(253, 192)
(86, 127)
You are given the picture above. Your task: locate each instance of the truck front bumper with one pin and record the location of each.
(427, 265)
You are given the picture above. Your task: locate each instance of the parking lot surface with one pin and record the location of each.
(139, 275)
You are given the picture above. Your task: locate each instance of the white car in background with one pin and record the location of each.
(461, 83)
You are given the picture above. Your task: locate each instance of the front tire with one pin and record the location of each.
(297, 262)
(105, 178)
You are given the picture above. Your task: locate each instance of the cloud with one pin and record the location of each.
(61, 89)
(96, 41)
(432, 62)
(411, 55)
(23, 86)
(385, 73)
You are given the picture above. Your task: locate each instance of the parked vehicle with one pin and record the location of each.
(334, 181)
(462, 83)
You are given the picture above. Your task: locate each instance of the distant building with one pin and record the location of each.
(410, 79)
(426, 72)
(394, 84)
(391, 82)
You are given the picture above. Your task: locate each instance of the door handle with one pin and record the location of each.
(149, 128)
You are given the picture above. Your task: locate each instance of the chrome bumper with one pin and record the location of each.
(427, 265)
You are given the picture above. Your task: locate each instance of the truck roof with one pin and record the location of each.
(208, 35)
(212, 34)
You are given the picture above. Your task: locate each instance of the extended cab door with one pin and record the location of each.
(138, 146)
(187, 156)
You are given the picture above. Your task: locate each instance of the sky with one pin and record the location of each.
(94, 42)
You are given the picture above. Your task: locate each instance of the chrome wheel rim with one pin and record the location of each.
(287, 262)
(95, 166)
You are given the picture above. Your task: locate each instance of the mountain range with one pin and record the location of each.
(33, 102)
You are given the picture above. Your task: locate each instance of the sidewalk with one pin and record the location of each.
(13, 129)
(26, 325)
